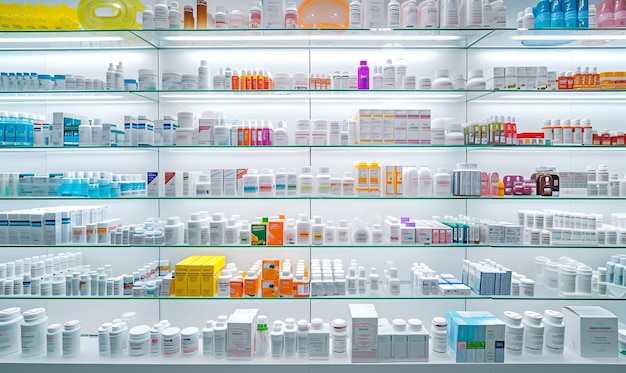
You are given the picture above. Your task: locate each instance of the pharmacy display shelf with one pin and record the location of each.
(70, 40)
(313, 38)
(604, 38)
(551, 97)
(76, 97)
(256, 248)
(90, 360)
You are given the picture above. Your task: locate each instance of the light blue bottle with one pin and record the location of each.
(583, 14)
(93, 188)
(542, 14)
(570, 13)
(115, 191)
(30, 130)
(84, 187)
(104, 188)
(3, 120)
(65, 189)
(21, 130)
(4, 81)
(9, 129)
(76, 187)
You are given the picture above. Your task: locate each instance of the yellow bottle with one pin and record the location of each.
(123, 14)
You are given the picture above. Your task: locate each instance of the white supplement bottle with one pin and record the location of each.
(54, 340)
(533, 332)
(514, 332)
(207, 339)
(290, 334)
(34, 332)
(554, 331)
(339, 337)
(171, 342)
(302, 339)
(71, 338)
(439, 335)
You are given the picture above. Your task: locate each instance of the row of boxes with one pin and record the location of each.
(475, 337)
(394, 127)
(196, 276)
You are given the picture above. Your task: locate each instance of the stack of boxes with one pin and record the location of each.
(401, 127)
(475, 337)
(196, 276)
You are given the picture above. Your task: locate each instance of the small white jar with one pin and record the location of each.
(475, 81)
(139, 341)
(442, 80)
(439, 335)
(171, 342)
(190, 340)
(527, 288)
(147, 80)
(171, 80)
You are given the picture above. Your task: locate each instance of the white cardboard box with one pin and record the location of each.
(240, 334)
(590, 331)
(364, 333)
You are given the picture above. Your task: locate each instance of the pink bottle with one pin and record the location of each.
(619, 15)
(605, 9)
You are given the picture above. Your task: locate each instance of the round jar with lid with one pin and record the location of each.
(439, 335)
(34, 332)
(10, 320)
(339, 333)
(139, 340)
(442, 80)
(554, 331)
(475, 80)
(190, 340)
(533, 332)
(171, 342)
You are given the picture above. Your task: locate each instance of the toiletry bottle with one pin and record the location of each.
(277, 340)
(393, 14)
(364, 76)
(262, 337)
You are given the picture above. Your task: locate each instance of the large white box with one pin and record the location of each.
(241, 326)
(590, 331)
(364, 333)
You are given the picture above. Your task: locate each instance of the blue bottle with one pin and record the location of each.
(570, 13)
(93, 189)
(3, 120)
(10, 128)
(557, 19)
(65, 189)
(104, 188)
(583, 14)
(21, 130)
(542, 14)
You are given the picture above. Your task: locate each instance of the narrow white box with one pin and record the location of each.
(364, 333)
(385, 332)
(173, 183)
(156, 184)
(217, 182)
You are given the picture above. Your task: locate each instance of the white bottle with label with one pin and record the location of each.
(174, 231)
(217, 228)
(302, 339)
(204, 75)
(533, 332)
(317, 231)
(219, 337)
(250, 183)
(290, 338)
(281, 136)
(389, 75)
(262, 337)
(424, 182)
(514, 332)
(393, 14)
(554, 329)
(449, 14)
(305, 182)
(207, 339)
(118, 81)
(277, 340)
(303, 230)
(330, 233)
(322, 182)
(355, 14)
(267, 183)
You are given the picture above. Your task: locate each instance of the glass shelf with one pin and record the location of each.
(71, 40)
(358, 247)
(563, 96)
(77, 97)
(312, 38)
(554, 38)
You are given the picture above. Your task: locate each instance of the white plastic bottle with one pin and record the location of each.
(221, 19)
(330, 233)
(410, 14)
(147, 18)
(217, 228)
(373, 282)
(110, 78)
(161, 15)
(343, 232)
(256, 15)
(393, 14)
(291, 15)
(175, 17)
(533, 332)
(303, 230)
(424, 182)
(442, 183)
(262, 337)
(250, 184)
(528, 21)
(317, 231)
(554, 331)
(281, 136)
(174, 231)
(449, 14)
(487, 14)
(118, 82)
(514, 332)
(290, 340)
(208, 349)
(322, 182)
(96, 133)
(219, 336)
(267, 183)
(278, 340)
(355, 14)
(305, 182)
(302, 339)
(204, 74)
(389, 75)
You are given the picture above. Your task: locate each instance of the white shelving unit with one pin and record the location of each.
(313, 51)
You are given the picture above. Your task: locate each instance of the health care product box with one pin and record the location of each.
(487, 280)
(365, 326)
(448, 285)
(64, 130)
(379, 127)
(591, 331)
(475, 337)
(240, 334)
(197, 275)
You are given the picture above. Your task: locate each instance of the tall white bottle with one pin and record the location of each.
(449, 15)
(204, 75)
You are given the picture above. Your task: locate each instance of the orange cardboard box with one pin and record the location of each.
(275, 232)
(271, 269)
(269, 289)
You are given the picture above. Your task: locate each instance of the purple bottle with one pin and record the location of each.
(364, 76)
